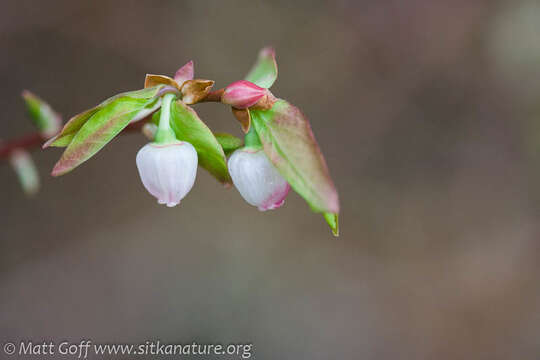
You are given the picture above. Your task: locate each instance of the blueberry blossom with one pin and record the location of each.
(257, 180)
(167, 167)
(168, 171)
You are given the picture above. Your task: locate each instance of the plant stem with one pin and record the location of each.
(26, 142)
(213, 96)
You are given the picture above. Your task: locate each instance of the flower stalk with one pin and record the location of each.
(165, 134)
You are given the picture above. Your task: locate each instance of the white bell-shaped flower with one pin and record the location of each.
(168, 170)
(257, 180)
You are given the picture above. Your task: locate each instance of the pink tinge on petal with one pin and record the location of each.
(276, 199)
(171, 202)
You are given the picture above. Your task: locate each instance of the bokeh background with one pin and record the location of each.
(427, 112)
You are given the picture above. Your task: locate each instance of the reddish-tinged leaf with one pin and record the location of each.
(69, 130)
(102, 127)
(289, 143)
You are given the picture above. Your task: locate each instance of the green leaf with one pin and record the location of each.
(188, 127)
(69, 130)
(74, 124)
(333, 222)
(101, 127)
(229, 142)
(43, 116)
(265, 71)
(290, 145)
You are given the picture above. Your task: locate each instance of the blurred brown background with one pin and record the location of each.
(428, 115)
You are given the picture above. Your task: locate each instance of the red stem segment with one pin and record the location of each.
(26, 142)
(35, 140)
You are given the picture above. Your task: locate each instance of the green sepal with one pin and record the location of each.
(74, 124)
(229, 142)
(42, 115)
(265, 70)
(190, 128)
(333, 221)
(102, 125)
(290, 145)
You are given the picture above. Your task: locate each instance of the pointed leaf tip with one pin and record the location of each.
(267, 51)
(48, 143)
(265, 71)
(42, 115)
(333, 221)
(57, 170)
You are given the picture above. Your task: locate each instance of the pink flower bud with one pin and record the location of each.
(242, 94)
(257, 180)
(168, 170)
